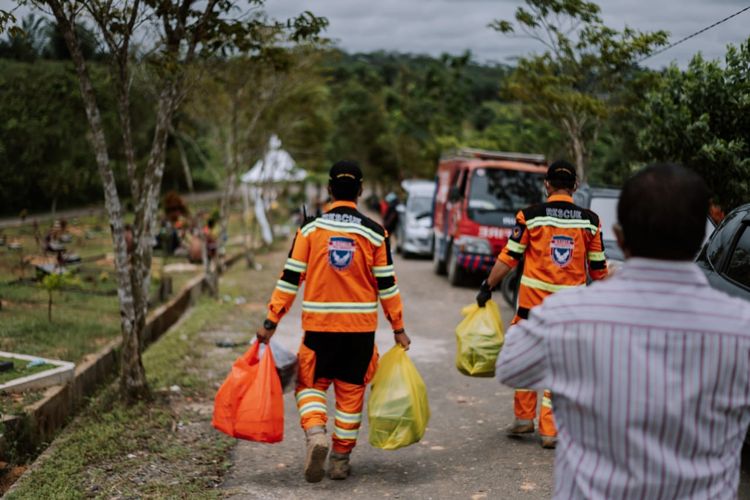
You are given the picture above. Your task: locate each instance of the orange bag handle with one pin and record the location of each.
(251, 356)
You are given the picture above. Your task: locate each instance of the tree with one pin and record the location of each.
(54, 282)
(245, 99)
(187, 30)
(701, 119)
(584, 63)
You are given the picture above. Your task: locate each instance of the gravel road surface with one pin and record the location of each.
(464, 453)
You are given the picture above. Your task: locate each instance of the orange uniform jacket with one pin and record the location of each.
(560, 242)
(345, 261)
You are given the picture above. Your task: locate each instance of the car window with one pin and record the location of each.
(419, 205)
(738, 268)
(497, 192)
(723, 237)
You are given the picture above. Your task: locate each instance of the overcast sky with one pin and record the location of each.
(436, 26)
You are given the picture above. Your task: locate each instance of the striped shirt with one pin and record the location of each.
(650, 375)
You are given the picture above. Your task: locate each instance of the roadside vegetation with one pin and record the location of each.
(165, 447)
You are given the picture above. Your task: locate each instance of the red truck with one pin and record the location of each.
(478, 195)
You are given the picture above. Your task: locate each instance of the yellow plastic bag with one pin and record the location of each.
(479, 338)
(398, 410)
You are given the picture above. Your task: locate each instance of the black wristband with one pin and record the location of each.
(399, 331)
(269, 325)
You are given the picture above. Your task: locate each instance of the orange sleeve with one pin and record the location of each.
(291, 278)
(388, 291)
(598, 268)
(514, 249)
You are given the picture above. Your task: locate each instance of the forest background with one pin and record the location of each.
(394, 113)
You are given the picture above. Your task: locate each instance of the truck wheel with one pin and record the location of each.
(456, 274)
(437, 265)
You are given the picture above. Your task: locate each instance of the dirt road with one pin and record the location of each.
(464, 453)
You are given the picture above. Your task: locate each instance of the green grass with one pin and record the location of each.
(21, 369)
(81, 324)
(110, 447)
(112, 450)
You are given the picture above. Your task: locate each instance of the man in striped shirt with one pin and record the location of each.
(650, 369)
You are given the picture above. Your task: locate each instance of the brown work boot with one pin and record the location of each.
(317, 451)
(549, 442)
(338, 465)
(521, 427)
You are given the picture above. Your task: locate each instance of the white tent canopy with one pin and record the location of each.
(276, 166)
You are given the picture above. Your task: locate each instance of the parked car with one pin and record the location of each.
(414, 230)
(725, 258)
(478, 195)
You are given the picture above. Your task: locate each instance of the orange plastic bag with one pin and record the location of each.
(249, 404)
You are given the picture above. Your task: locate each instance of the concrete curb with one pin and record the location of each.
(24, 434)
(60, 374)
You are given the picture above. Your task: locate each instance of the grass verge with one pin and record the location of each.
(165, 448)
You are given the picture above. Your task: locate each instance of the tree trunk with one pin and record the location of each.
(579, 155)
(133, 378)
(145, 216)
(185, 164)
(577, 145)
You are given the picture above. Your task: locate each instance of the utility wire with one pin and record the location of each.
(671, 45)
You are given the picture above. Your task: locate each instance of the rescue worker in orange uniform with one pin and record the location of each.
(345, 261)
(561, 244)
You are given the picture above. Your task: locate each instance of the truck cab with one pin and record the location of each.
(477, 197)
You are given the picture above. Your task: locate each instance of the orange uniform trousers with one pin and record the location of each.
(524, 406)
(312, 400)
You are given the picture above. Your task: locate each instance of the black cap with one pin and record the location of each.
(345, 172)
(561, 170)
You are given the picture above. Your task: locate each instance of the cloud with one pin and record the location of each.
(453, 26)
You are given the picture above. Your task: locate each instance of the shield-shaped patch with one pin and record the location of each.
(561, 248)
(340, 252)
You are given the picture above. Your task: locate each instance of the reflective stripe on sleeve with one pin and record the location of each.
(383, 271)
(546, 402)
(389, 292)
(340, 307)
(514, 246)
(596, 256)
(543, 285)
(287, 287)
(295, 265)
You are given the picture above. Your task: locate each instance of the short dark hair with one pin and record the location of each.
(561, 175)
(662, 211)
(345, 180)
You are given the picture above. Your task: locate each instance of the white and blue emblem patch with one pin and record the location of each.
(561, 248)
(340, 252)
